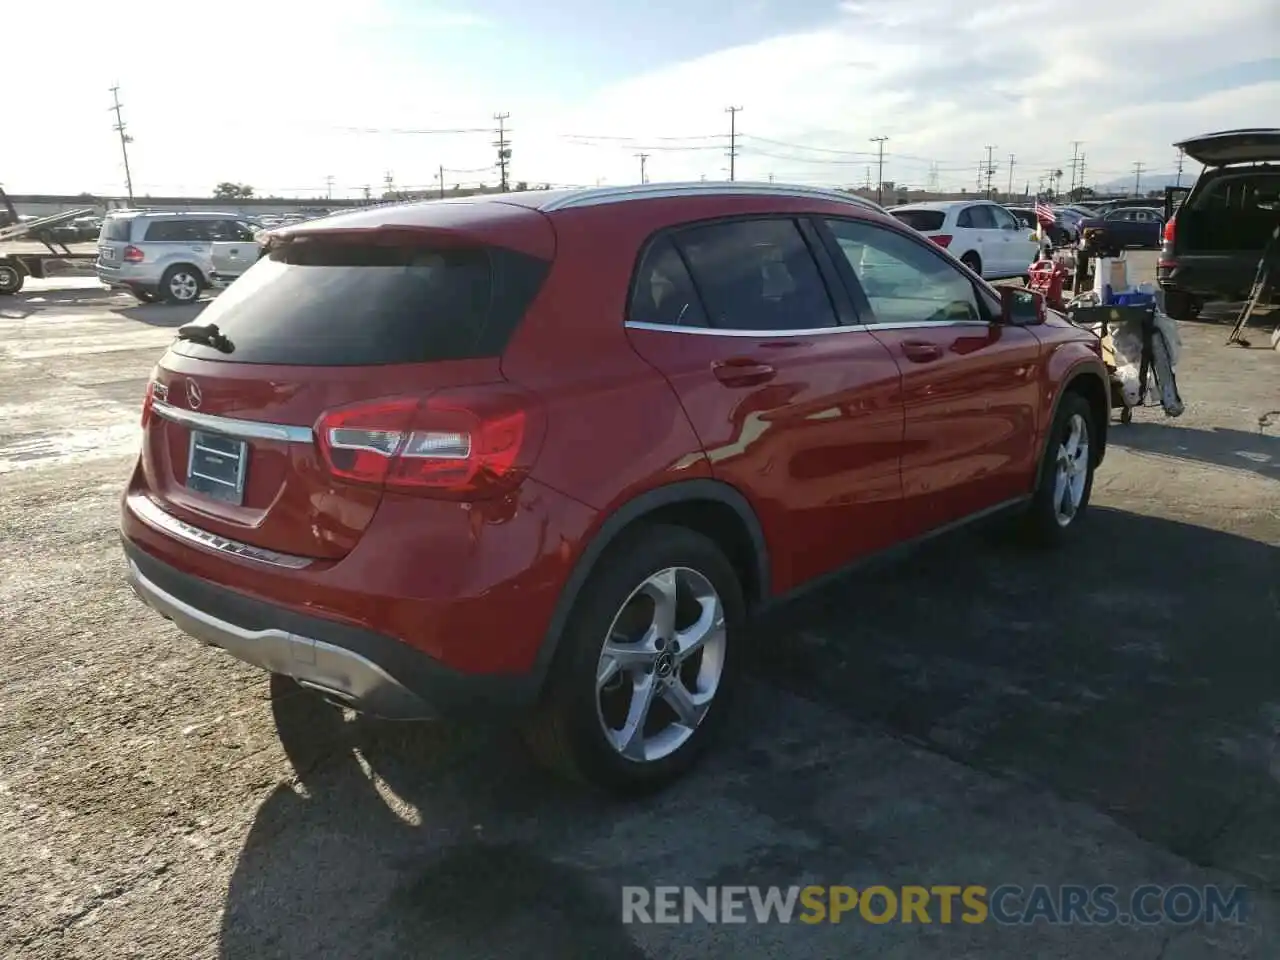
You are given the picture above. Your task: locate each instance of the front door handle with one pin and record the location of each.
(921, 351)
(742, 372)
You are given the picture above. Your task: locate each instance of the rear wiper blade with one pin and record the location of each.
(206, 334)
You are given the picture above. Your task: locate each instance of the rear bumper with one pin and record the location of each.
(362, 669)
(1208, 277)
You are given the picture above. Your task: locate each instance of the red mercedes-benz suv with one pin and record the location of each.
(547, 451)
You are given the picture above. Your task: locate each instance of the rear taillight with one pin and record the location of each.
(1167, 236)
(132, 255)
(941, 239)
(148, 401)
(458, 443)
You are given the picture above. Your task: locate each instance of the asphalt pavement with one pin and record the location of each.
(973, 715)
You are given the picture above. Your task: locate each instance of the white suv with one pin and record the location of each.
(986, 237)
(172, 256)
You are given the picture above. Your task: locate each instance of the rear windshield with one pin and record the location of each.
(340, 304)
(923, 220)
(116, 228)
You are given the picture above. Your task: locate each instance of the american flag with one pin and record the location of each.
(1045, 214)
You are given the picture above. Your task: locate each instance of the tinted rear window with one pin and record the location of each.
(329, 304)
(117, 228)
(923, 220)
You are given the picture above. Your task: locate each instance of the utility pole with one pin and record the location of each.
(1137, 179)
(390, 181)
(1181, 157)
(867, 185)
(368, 194)
(125, 140)
(328, 187)
(1010, 190)
(733, 141)
(880, 168)
(441, 175)
(934, 177)
(990, 170)
(771, 176)
(1075, 163)
(504, 149)
(644, 178)
(1080, 166)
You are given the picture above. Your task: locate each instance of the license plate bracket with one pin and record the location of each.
(216, 466)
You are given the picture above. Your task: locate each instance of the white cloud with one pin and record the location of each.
(264, 91)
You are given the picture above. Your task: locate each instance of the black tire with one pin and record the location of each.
(174, 290)
(567, 731)
(1041, 524)
(973, 262)
(1182, 306)
(12, 277)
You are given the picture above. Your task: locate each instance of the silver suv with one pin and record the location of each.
(173, 256)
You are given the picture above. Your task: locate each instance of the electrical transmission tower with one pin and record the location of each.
(1137, 178)
(644, 157)
(1075, 163)
(125, 140)
(733, 140)
(1181, 157)
(990, 171)
(933, 177)
(504, 149)
(1009, 193)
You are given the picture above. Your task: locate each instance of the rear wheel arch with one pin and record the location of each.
(710, 507)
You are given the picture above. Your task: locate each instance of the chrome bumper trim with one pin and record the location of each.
(146, 511)
(340, 674)
(229, 426)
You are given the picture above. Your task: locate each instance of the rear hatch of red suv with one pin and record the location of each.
(361, 354)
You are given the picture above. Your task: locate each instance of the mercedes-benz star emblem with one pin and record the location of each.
(193, 394)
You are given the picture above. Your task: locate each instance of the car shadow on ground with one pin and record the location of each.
(25, 304)
(1131, 671)
(1253, 452)
(164, 314)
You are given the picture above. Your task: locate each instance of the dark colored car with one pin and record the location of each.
(544, 453)
(1129, 226)
(1216, 230)
(1060, 234)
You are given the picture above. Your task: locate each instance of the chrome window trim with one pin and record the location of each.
(231, 427)
(593, 196)
(147, 511)
(757, 334)
(815, 331)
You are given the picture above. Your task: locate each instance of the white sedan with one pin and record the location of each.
(985, 237)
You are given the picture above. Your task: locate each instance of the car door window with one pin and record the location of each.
(904, 281)
(663, 293)
(1004, 219)
(756, 275)
(979, 218)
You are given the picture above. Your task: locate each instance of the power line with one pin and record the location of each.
(880, 142)
(733, 140)
(644, 157)
(125, 140)
(504, 149)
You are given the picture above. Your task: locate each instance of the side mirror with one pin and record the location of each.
(1021, 308)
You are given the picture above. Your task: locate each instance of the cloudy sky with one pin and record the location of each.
(284, 94)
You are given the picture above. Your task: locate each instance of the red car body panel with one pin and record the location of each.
(842, 443)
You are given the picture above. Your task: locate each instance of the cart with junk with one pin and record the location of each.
(1140, 342)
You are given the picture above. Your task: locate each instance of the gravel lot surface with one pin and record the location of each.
(973, 715)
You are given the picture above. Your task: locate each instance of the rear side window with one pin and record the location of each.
(117, 229)
(314, 303)
(757, 275)
(663, 292)
(926, 221)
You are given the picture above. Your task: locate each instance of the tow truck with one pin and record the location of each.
(15, 267)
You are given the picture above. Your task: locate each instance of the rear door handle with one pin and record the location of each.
(921, 351)
(742, 372)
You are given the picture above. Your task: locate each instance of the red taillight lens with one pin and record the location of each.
(461, 444)
(148, 401)
(941, 239)
(132, 255)
(1167, 236)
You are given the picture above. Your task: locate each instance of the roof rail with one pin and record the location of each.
(592, 196)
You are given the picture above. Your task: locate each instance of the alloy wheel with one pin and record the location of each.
(1072, 471)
